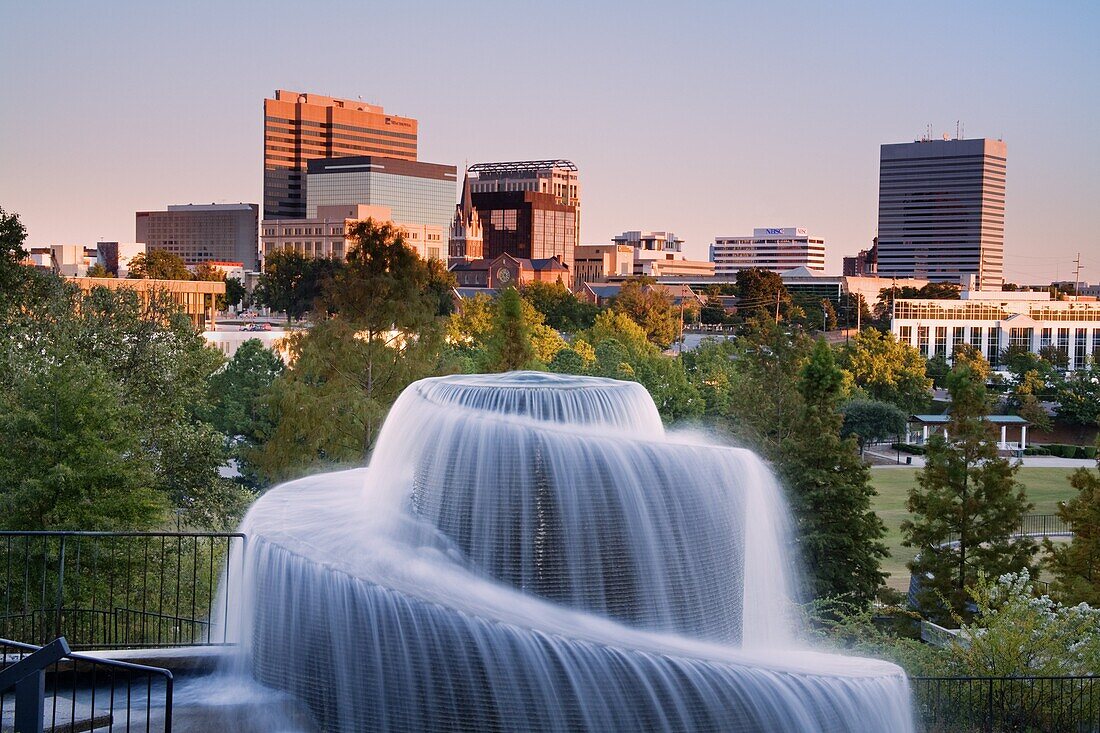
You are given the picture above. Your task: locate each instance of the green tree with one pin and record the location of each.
(143, 359)
(872, 421)
(12, 236)
(713, 311)
(70, 458)
(236, 388)
(760, 293)
(1076, 564)
(839, 535)
(292, 282)
(384, 331)
(561, 309)
(649, 307)
(966, 506)
(98, 270)
(158, 264)
(887, 370)
(234, 292)
(209, 273)
(509, 345)
(1078, 397)
(937, 369)
(1023, 396)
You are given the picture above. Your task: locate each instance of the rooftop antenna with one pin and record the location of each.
(958, 124)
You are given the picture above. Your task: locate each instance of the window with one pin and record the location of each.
(994, 347)
(922, 340)
(1081, 348)
(905, 334)
(941, 341)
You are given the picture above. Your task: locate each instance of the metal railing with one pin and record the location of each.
(52, 689)
(1035, 525)
(114, 589)
(1019, 704)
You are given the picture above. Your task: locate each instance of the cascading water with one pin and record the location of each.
(532, 552)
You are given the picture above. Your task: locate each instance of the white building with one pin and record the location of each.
(992, 321)
(778, 250)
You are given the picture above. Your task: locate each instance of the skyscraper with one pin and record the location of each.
(558, 178)
(301, 127)
(941, 210)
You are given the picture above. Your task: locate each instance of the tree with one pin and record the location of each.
(839, 535)
(158, 264)
(712, 312)
(887, 370)
(235, 389)
(966, 506)
(1078, 396)
(760, 293)
(98, 270)
(12, 253)
(292, 282)
(871, 421)
(1024, 398)
(649, 307)
(561, 309)
(937, 370)
(104, 373)
(509, 345)
(1076, 565)
(379, 330)
(234, 292)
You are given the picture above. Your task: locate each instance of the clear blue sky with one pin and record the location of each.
(703, 118)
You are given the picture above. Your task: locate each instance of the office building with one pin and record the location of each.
(302, 127)
(413, 192)
(941, 210)
(527, 225)
(659, 254)
(327, 233)
(600, 263)
(992, 321)
(202, 232)
(864, 264)
(557, 178)
(115, 256)
(777, 250)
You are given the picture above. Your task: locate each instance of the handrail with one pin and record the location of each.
(28, 677)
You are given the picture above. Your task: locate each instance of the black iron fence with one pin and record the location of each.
(1035, 525)
(75, 692)
(114, 589)
(1007, 704)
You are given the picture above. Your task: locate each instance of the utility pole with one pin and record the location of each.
(1077, 278)
(824, 323)
(777, 306)
(680, 346)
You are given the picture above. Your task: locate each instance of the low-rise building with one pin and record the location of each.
(196, 298)
(992, 321)
(505, 270)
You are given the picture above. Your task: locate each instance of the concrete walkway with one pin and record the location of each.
(891, 456)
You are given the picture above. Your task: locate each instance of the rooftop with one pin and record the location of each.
(522, 166)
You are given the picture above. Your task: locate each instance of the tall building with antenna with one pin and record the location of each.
(942, 210)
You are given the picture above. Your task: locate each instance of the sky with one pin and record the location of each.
(703, 118)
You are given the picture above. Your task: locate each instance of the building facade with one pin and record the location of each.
(467, 240)
(527, 225)
(328, 233)
(941, 210)
(203, 232)
(864, 264)
(992, 321)
(196, 298)
(505, 270)
(659, 254)
(302, 127)
(411, 190)
(557, 178)
(778, 250)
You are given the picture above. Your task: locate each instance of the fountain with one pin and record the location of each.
(533, 552)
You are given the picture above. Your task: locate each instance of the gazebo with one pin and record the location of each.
(928, 424)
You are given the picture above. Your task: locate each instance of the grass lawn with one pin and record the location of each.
(1045, 488)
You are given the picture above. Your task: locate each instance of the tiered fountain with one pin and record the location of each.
(533, 552)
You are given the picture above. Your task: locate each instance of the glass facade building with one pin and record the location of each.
(527, 224)
(414, 192)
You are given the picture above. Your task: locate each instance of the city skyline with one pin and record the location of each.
(763, 116)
